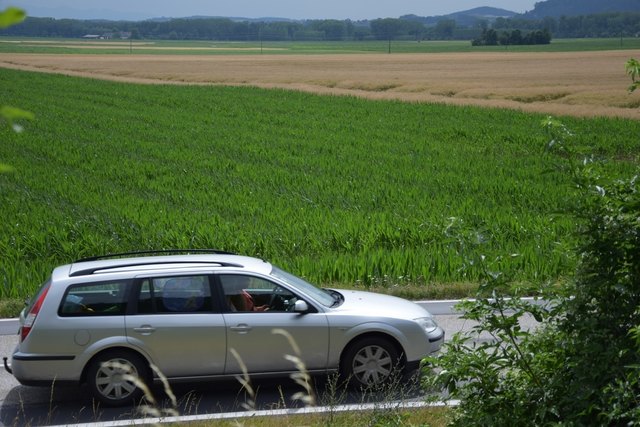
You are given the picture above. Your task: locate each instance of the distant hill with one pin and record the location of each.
(465, 18)
(232, 18)
(558, 8)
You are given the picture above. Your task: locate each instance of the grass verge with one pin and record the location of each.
(10, 307)
(428, 416)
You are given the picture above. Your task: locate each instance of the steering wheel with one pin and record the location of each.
(278, 300)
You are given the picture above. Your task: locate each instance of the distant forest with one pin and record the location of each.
(613, 24)
(558, 8)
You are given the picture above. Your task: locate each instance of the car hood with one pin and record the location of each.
(379, 305)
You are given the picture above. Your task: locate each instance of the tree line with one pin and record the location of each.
(224, 29)
(490, 37)
(613, 24)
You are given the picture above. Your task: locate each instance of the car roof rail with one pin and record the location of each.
(93, 270)
(154, 252)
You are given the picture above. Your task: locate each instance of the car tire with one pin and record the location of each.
(371, 361)
(105, 377)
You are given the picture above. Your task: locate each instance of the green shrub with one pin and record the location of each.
(580, 367)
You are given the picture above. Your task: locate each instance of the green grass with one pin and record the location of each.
(10, 307)
(378, 194)
(212, 47)
(433, 417)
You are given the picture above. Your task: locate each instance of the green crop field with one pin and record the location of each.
(211, 47)
(337, 189)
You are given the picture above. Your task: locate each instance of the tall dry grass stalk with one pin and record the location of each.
(245, 381)
(301, 376)
(151, 407)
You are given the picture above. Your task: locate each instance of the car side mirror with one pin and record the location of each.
(301, 306)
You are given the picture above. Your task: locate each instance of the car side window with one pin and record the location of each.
(182, 294)
(95, 299)
(244, 293)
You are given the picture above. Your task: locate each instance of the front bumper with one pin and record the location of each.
(436, 339)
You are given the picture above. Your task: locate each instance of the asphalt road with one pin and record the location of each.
(21, 405)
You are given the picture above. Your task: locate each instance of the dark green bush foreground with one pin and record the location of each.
(582, 367)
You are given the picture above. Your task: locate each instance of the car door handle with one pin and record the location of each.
(242, 328)
(145, 329)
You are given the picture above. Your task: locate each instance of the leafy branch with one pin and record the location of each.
(12, 115)
(8, 17)
(11, 16)
(633, 70)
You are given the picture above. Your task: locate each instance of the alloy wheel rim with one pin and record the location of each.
(113, 379)
(372, 365)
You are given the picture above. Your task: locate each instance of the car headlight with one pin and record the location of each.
(427, 323)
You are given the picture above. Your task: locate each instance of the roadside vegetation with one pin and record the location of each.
(343, 191)
(581, 366)
(432, 417)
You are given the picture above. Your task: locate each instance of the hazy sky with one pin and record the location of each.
(295, 9)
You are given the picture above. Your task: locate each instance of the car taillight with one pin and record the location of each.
(33, 313)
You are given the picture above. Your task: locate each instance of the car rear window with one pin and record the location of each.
(95, 299)
(182, 294)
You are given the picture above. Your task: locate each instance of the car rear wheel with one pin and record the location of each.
(110, 377)
(370, 361)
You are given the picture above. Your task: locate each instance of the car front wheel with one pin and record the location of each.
(370, 361)
(110, 377)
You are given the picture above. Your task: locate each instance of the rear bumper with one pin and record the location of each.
(39, 358)
(40, 370)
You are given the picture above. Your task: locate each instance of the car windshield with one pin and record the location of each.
(320, 295)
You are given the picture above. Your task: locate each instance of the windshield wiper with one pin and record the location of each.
(337, 298)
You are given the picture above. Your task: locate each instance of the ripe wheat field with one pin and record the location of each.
(581, 84)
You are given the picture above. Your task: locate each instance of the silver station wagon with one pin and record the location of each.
(203, 315)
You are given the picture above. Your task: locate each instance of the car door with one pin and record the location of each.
(261, 335)
(175, 324)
